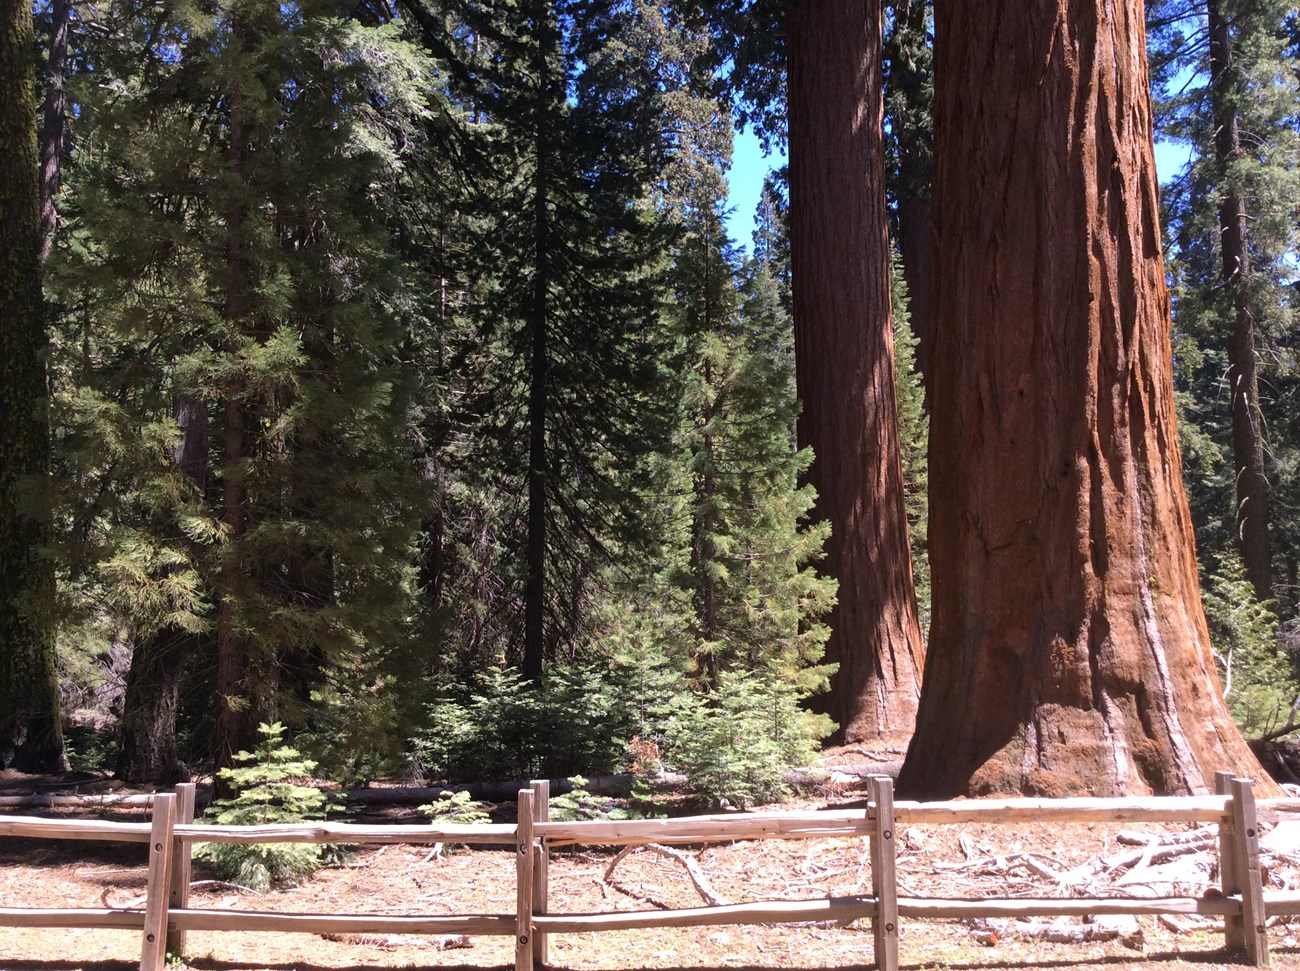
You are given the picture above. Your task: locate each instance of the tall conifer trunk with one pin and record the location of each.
(235, 723)
(1243, 381)
(52, 126)
(845, 361)
(31, 737)
(535, 589)
(1068, 648)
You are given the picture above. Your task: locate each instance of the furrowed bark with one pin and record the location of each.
(844, 362)
(1069, 650)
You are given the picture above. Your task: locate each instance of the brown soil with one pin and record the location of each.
(933, 861)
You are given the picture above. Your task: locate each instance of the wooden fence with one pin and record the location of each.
(167, 916)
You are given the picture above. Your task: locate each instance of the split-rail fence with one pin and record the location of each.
(166, 916)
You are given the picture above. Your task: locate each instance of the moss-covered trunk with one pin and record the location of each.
(30, 735)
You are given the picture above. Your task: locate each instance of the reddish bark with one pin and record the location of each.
(1068, 650)
(845, 361)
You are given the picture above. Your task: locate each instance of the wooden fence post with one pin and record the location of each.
(1234, 934)
(884, 884)
(1246, 851)
(524, 868)
(179, 894)
(153, 950)
(541, 869)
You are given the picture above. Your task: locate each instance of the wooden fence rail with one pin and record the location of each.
(167, 916)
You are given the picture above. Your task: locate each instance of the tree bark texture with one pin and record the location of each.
(1243, 381)
(844, 361)
(1068, 649)
(31, 737)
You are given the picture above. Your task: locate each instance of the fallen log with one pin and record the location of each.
(499, 790)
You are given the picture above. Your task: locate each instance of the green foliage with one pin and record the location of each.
(268, 789)
(579, 804)
(737, 743)
(508, 727)
(913, 441)
(1260, 682)
(1261, 88)
(232, 400)
(457, 807)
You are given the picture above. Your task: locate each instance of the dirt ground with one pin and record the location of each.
(933, 861)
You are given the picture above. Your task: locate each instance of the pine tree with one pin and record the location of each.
(909, 93)
(565, 342)
(234, 261)
(1227, 89)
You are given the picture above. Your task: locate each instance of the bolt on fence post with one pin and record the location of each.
(1246, 833)
(179, 891)
(524, 865)
(153, 948)
(541, 868)
(884, 885)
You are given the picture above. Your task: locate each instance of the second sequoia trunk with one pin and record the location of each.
(844, 362)
(1068, 651)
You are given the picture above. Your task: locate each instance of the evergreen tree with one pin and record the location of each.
(31, 736)
(909, 134)
(1227, 89)
(571, 365)
(233, 263)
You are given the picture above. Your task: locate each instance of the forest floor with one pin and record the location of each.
(934, 861)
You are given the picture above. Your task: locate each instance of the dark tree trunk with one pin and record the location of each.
(151, 700)
(31, 737)
(236, 723)
(705, 525)
(1068, 649)
(149, 708)
(844, 362)
(535, 589)
(1243, 382)
(52, 126)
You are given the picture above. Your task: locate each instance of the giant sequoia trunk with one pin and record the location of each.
(1243, 381)
(844, 361)
(1068, 650)
(30, 735)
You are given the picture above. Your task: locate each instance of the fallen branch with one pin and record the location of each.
(701, 882)
(223, 885)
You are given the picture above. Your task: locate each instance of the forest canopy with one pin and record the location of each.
(386, 371)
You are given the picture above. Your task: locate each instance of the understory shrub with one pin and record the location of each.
(737, 743)
(1259, 678)
(507, 727)
(268, 789)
